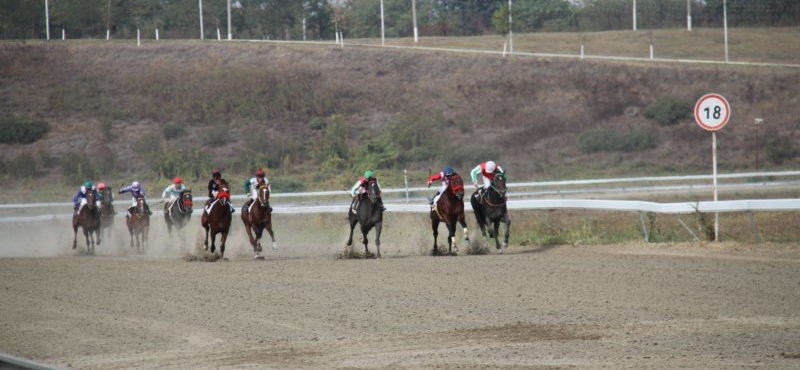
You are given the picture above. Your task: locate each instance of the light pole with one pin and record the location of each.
(689, 15)
(725, 21)
(634, 15)
(47, 18)
(200, 6)
(230, 34)
(414, 17)
(383, 27)
(759, 122)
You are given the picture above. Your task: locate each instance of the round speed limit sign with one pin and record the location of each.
(712, 112)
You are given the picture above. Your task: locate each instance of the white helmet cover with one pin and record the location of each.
(491, 166)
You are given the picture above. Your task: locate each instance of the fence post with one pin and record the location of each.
(138, 38)
(63, 34)
(634, 15)
(414, 16)
(47, 18)
(581, 51)
(652, 55)
(156, 34)
(405, 176)
(219, 35)
(383, 27)
(108, 34)
(200, 6)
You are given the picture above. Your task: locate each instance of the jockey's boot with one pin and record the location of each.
(147, 210)
(354, 205)
(131, 210)
(231, 207)
(380, 203)
(246, 205)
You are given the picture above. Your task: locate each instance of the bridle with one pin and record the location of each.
(263, 195)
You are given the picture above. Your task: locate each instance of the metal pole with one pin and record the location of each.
(230, 34)
(108, 21)
(63, 34)
(405, 176)
(510, 31)
(138, 38)
(414, 17)
(725, 21)
(383, 27)
(716, 195)
(634, 15)
(47, 18)
(689, 15)
(200, 7)
(304, 27)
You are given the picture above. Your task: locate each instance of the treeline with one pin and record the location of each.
(283, 19)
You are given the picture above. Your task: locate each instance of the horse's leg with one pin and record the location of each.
(259, 232)
(213, 242)
(75, 237)
(222, 244)
(364, 233)
(451, 237)
(353, 222)
(462, 220)
(146, 236)
(496, 228)
(507, 221)
(272, 236)
(435, 227)
(248, 229)
(205, 243)
(378, 228)
(86, 236)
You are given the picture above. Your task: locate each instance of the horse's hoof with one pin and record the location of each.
(258, 257)
(274, 246)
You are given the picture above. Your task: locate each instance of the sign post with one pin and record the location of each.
(712, 112)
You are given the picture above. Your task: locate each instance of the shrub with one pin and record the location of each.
(173, 131)
(317, 123)
(780, 149)
(22, 166)
(21, 130)
(286, 184)
(668, 110)
(609, 140)
(76, 168)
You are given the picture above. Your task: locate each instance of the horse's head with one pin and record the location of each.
(373, 191)
(263, 195)
(91, 198)
(186, 199)
(499, 185)
(140, 206)
(457, 185)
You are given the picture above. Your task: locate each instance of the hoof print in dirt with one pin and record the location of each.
(350, 254)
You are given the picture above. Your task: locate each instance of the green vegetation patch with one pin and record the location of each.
(668, 110)
(21, 130)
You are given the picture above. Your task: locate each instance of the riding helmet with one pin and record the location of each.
(177, 180)
(260, 172)
(448, 170)
(88, 184)
(101, 186)
(135, 185)
(369, 174)
(491, 166)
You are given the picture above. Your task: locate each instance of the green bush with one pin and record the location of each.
(173, 131)
(22, 166)
(780, 149)
(286, 184)
(317, 123)
(76, 168)
(21, 130)
(619, 141)
(668, 110)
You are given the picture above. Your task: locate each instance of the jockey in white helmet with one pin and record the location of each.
(486, 170)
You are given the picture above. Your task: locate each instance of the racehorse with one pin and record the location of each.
(107, 211)
(138, 222)
(369, 214)
(450, 210)
(258, 217)
(178, 212)
(217, 218)
(492, 210)
(89, 220)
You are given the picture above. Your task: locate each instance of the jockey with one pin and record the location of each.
(174, 191)
(213, 188)
(137, 190)
(251, 187)
(79, 200)
(360, 187)
(445, 177)
(487, 171)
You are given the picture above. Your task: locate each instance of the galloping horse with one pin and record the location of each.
(369, 214)
(89, 220)
(493, 210)
(450, 210)
(217, 218)
(179, 212)
(107, 211)
(258, 217)
(138, 222)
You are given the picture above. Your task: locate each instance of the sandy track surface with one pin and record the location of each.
(540, 308)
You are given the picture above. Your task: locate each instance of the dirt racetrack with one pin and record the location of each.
(684, 306)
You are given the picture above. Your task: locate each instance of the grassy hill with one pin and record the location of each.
(316, 116)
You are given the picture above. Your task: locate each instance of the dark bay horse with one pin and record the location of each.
(217, 218)
(88, 218)
(107, 211)
(178, 212)
(258, 217)
(369, 214)
(450, 210)
(492, 210)
(138, 222)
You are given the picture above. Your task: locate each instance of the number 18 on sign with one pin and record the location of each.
(712, 112)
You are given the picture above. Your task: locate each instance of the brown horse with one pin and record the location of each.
(216, 218)
(258, 217)
(88, 218)
(138, 222)
(107, 211)
(450, 210)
